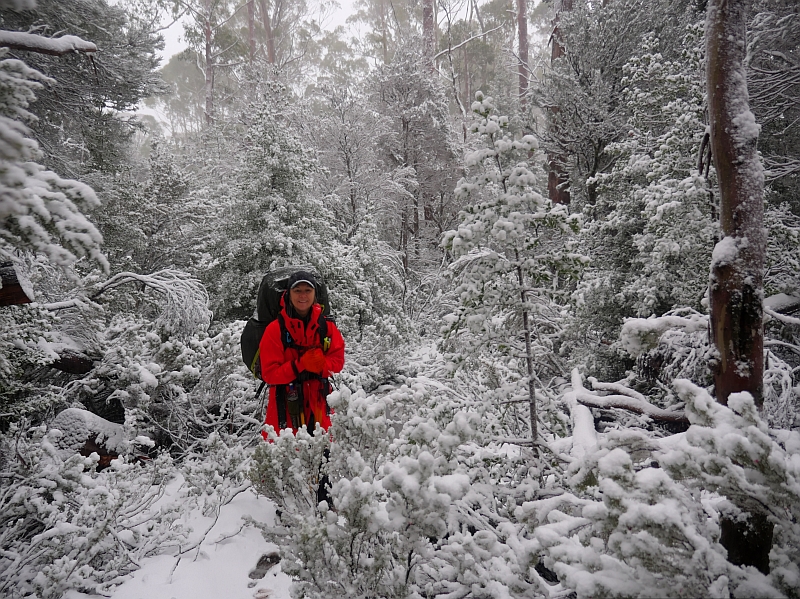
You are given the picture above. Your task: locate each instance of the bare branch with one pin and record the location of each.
(457, 46)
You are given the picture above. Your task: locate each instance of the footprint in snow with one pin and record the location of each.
(265, 563)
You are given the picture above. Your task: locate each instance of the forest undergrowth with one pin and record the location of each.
(523, 233)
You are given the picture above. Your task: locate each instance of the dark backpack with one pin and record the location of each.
(268, 307)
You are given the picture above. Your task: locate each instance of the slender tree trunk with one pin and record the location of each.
(557, 179)
(404, 238)
(526, 325)
(467, 94)
(384, 32)
(736, 286)
(267, 22)
(209, 80)
(416, 225)
(428, 30)
(478, 16)
(522, 28)
(251, 22)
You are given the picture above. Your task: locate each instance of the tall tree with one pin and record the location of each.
(736, 286)
(429, 29)
(557, 178)
(522, 34)
(737, 269)
(420, 139)
(209, 32)
(513, 251)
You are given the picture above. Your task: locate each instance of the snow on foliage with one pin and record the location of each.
(77, 426)
(46, 45)
(64, 526)
(39, 211)
(653, 223)
(639, 335)
(514, 259)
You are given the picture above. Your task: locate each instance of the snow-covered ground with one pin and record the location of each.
(219, 568)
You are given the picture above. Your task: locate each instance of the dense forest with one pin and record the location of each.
(561, 239)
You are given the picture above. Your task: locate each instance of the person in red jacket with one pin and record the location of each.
(299, 351)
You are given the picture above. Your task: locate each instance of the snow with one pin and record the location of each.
(584, 435)
(639, 335)
(782, 302)
(726, 251)
(77, 426)
(219, 567)
(46, 45)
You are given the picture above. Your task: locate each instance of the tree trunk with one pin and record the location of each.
(736, 286)
(526, 325)
(428, 31)
(251, 37)
(557, 179)
(267, 21)
(209, 80)
(737, 270)
(384, 32)
(522, 28)
(467, 94)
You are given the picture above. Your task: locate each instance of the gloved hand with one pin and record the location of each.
(313, 361)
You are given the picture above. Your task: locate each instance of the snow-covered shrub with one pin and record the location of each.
(288, 471)
(216, 473)
(178, 390)
(514, 260)
(730, 450)
(64, 526)
(423, 499)
(25, 334)
(642, 518)
(675, 346)
(653, 224)
(628, 529)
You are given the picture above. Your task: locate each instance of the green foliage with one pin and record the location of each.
(272, 220)
(79, 125)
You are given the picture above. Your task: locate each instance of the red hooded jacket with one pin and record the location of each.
(280, 366)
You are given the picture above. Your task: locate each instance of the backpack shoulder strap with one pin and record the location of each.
(322, 329)
(286, 336)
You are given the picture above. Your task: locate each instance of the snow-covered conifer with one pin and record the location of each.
(515, 252)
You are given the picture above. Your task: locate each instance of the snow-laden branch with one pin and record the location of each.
(781, 317)
(624, 398)
(56, 46)
(584, 435)
(186, 307)
(639, 335)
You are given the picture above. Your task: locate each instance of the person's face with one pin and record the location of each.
(302, 297)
